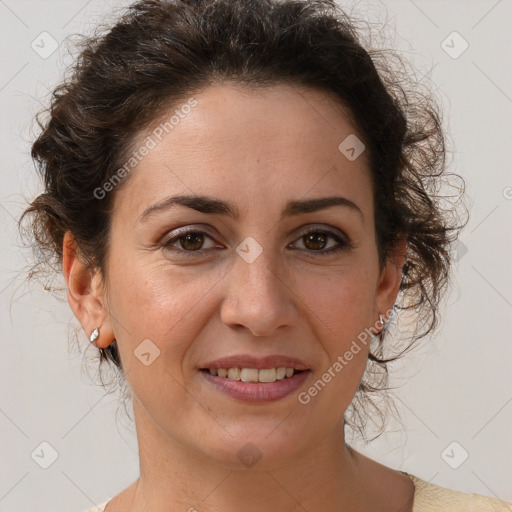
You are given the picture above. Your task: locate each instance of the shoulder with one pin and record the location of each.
(98, 508)
(429, 498)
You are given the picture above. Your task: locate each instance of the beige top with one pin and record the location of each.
(432, 498)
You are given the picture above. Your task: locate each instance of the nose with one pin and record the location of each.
(259, 297)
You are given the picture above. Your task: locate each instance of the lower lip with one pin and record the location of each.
(257, 391)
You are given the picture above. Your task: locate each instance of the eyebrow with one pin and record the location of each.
(210, 205)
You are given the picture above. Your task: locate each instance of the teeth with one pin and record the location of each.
(253, 374)
(267, 375)
(249, 375)
(234, 373)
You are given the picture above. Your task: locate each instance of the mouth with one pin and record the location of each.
(264, 375)
(255, 385)
(255, 379)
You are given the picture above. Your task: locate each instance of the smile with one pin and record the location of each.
(253, 385)
(253, 374)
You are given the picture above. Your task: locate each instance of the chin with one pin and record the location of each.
(261, 449)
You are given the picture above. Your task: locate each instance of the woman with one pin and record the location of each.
(240, 201)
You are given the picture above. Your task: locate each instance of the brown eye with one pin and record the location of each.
(188, 242)
(316, 242)
(192, 241)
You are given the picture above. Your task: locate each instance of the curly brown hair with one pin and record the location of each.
(159, 52)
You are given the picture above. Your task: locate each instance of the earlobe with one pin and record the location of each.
(86, 293)
(390, 280)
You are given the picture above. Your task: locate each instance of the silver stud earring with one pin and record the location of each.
(382, 323)
(94, 335)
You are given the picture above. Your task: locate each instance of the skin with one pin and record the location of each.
(256, 149)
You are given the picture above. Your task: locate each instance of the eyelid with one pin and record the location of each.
(177, 233)
(343, 241)
(324, 229)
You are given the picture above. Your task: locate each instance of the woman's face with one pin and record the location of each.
(247, 286)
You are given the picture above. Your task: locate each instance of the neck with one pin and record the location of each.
(175, 477)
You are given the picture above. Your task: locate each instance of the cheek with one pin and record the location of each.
(159, 303)
(342, 301)
(154, 319)
(341, 307)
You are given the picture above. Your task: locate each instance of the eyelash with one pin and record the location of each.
(343, 244)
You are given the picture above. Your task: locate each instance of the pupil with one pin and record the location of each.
(312, 237)
(190, 237)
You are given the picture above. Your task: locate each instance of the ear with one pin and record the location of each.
(86, 293)
(389, 281)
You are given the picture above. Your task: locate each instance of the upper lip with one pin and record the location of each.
(260, 363)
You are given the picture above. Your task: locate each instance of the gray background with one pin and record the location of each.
(455, 388)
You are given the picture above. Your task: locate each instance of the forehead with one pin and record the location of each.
(281, 141)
